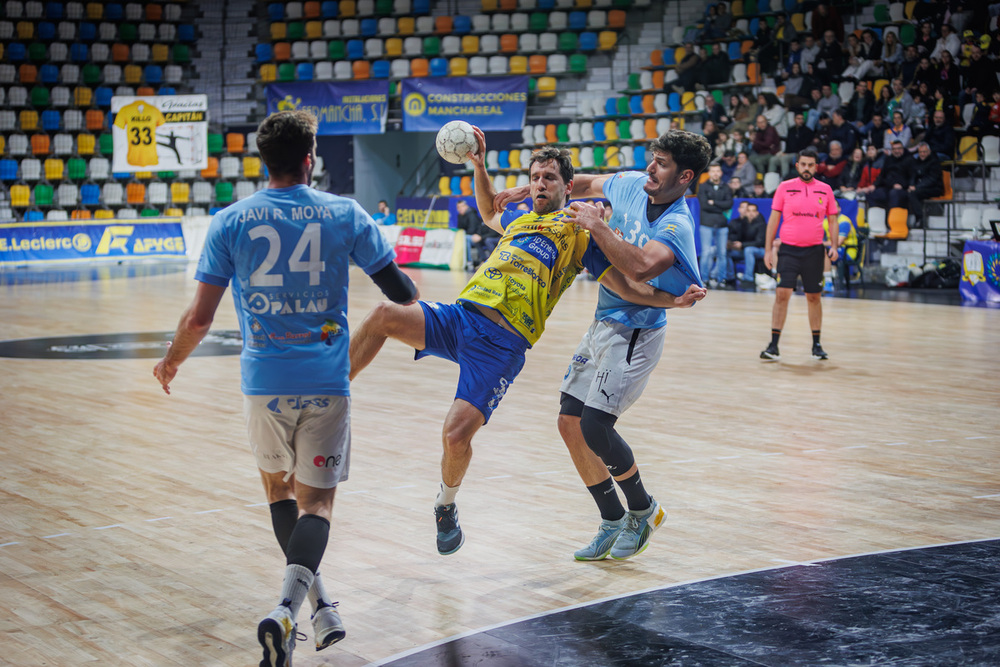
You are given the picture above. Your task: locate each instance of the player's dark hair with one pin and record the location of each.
(561, 156)
(285, 138)
(687, 149)
(807, 152)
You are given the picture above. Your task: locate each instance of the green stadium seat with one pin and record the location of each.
(568, 42)
(216, 142)
(181, 53)
(286, 72)
(432, 47)
(224, 192)
(43, 194)
(578, 63)
(562, 132)
(296, 30)
(106, 144)
(76, 168)
(538, 22)
(336, 49)
(127, 32)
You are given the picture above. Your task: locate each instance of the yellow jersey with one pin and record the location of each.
(537, 258)
(140, 120)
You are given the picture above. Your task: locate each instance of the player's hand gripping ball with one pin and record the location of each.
(455, 141)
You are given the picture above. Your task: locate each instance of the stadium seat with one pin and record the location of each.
(419, 67)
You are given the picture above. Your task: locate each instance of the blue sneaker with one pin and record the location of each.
(276, 634)
(450, 537)
(600, 546)
(640, 526)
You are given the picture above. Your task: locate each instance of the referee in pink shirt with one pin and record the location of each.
(800, 205)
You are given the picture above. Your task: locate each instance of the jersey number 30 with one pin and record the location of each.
(305, 257)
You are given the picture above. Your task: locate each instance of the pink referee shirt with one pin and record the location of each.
(803, 206)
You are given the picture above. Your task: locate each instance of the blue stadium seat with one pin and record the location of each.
(102, 96)
(369, 27)
(329, 9)
(121, 175)
(79, 53)
(8, 170)
(34, 216)
(734, 51)
(153, 75)
(546, 5)
(46, 31)
(166, 90)
(599, 133)
(791, 6)
(674, 102)
(53, 10)
(86, 32)
(355, 49)
(265, 53)
(51, 120)
(185, 32)
(503, 159)
(421, 6)
(668, 57)
(90, 194)
(439, 67)
(610, 106)
(578, 20)
(461, 25)
(276, 11)
(754, 26)
(48, 73)
(588, 41)
(635, 104)
(16, 52)
(455, 184)
(380, 69)
(113, 11)
(304, 72)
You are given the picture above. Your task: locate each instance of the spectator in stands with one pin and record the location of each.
(723, 19)
(850, 177)
(728, 164)
(861, 105)
(785, 32)
(715, 200)
(995, 114)
(799, 138)
(890, 189)
(918, 112)
(874, 159)
(980, 124)
(830, 59)
(901, 100)
(892, 55)
(948, 41)
(926, 41)
(978, 75)
(687, 69)
(852, 46)
(942, 102)
(746, 241)
(793, 56)
(745, 170)
(736, 187)
(908, 68)
(933, 11)
(384, 215)
(759, 190)
(470, 222)
(949, 79)
(715, 112)
(716, 68)
(857, 69)
(843, 132)
(826, 103)
(829, 170)
(711, 132)
(940, 136)
(926, 183)
(873, 132)
(810, 49)
(733, 143)
(772, 109)
(924, 74)
(795, 96)
(826, 18)
(821, 139)
(871, 48)
(766, 146)
(882, 102)
(708, 30)
(899, 131)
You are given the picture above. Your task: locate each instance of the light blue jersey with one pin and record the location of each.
(286, 251)
(674, 229)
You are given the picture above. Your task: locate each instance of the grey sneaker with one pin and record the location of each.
(600, 546)
(276, 634)
(640, 526)
(449, 534)
(328, 629)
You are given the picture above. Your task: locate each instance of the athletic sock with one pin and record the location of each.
(446, 496)
(308, 542)
(775, 335)
(297, 581)
(284, 515)
(635, 493)
(317, 594)
(816, 336)
(607, 500)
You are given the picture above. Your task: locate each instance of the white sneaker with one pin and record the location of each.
(276, 634)
(639, 527)
(328, 629)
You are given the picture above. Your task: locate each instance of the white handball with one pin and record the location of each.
(455, 141)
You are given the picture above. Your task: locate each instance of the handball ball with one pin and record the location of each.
(455, 141)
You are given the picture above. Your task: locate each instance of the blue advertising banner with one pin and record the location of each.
(342, 107)
(83, 241)
(492, 103)
(981, 273)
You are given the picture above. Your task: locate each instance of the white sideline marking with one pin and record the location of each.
(161, 518)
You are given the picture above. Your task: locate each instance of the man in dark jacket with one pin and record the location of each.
(941, 137)
(715, 199)
(766, 145)
(890, 189)
(927, 182)
(843, 132)
(746, 240)
(861, 105)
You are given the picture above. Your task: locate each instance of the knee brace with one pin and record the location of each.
(599, 431)
(570, 405)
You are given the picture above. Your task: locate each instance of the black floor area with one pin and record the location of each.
(930, 606)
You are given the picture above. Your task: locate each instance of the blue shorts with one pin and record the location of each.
(488, 356)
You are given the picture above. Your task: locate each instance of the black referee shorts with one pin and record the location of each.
(807, 261)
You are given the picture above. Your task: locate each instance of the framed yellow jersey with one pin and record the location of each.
(140, 120)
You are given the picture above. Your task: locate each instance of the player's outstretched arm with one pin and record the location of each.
(194, 324)
(485, 194)
(589, 186)
(644, 294)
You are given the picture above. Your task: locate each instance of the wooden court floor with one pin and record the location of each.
(133, 529)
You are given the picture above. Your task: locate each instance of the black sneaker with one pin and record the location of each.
(819, 354)
(771, 353)
(450, 537)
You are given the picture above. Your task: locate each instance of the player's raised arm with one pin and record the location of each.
(485, 193)
(647, 295)
(589, 186)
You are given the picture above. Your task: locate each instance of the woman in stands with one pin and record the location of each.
(947, 76)
(796, 90)
(882, 103)
(851, 175)
(892, 55)
(772, 109)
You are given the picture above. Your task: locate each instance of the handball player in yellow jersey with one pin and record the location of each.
(500, 313)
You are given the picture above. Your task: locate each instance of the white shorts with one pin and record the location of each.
(305, 436)
(612, 365)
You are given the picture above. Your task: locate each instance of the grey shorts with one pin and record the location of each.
(305, 436)
(612, 365)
